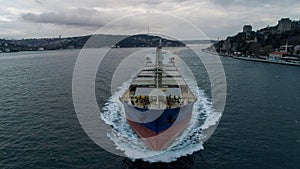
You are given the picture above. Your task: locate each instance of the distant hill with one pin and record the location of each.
(94, 41)
(59, 43)
(144, 40)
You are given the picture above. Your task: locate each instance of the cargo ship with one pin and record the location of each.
(158, 103)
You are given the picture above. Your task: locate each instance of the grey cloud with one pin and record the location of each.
(253, 3)
(38, 2)
(215, 17)
(78, 17)
(153, 2)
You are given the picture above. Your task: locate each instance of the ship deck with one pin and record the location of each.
(144, 91)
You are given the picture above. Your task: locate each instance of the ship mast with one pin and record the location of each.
(158, 65)
(286, 47)
(158, 68)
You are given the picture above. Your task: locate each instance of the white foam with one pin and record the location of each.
(126, 139)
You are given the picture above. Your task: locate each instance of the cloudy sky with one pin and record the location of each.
(215, 18)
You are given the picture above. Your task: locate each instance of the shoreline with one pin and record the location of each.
(252, 59)
(45, 50)
(267, 61)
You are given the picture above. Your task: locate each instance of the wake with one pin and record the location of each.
(126, 140)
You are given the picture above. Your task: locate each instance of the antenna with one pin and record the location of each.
(148, 29)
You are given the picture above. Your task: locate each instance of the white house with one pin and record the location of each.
(276, 55)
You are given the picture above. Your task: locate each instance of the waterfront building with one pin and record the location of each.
(286, 48)
(40, 49)
(297, 50)
(276, 55)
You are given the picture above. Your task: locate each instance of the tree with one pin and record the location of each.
(254, 48)
(266, 50)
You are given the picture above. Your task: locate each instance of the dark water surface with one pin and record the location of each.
(260, 127)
